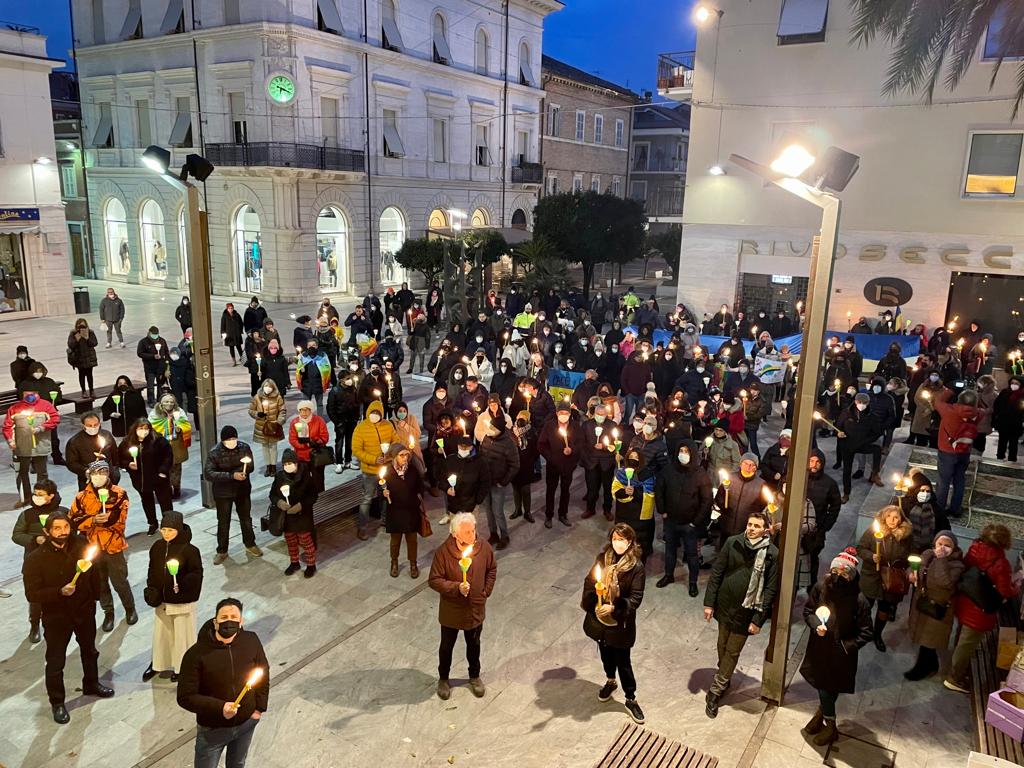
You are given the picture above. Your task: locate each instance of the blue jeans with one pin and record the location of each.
(370, 486)
(494, 507)
(633, 403)
(211, 743)
(952, 468)
(676, 533)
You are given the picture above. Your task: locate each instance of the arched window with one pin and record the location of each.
(438, 219)
(526, 66)
(390, 36)
(519, 218)
(154, 250)
(442, 53)
(248, 250)
(481, 51)
(115, 229)
(479, 218)
(332, 249)
(182, 245)
(392, 234)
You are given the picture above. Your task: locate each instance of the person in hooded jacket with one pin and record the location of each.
(775, 462)
(213, 671)
(826, 502)
(920, 511)
(371, 441)
(503, 383)
(20, 365)
(986, 557)
(343, 410)
(268, 412)
(82, 345)
(525, 438)
(123, 407)
(471, 474)
(745, 492)
(987, 393)
(499, 452)
(29, 534)
(255, 315)
(859, 430)
(839, 619)
(633, 491)
(931, 609)
(682, 495)
(887, 553)
(611, 613)
(182, 369)
(183, 314)
(173, 585)
(29, 426)
(1008, 418)
(294, 493)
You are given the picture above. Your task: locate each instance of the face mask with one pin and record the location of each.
(291, 469)
(684, 458)
(39, 501)
(941, 550)
(92, 431)
(862, 406)
(890, 387)
(457, 376)
(402, 415)
(441, 395)
(746, 474)
(876, 389)
(637, 426)
(142, 434)
(848, 346)
(22, 355)
(31, 398)
(268, 390)
(648, 429)
(563, 418)
(228, 628)
(599, 418)
(353, 367)
(374, 418)
(700, 369)
(923, 496)
(464, 453)
(37, 375)
(231, 444)
(154, 336)
(614, 348)
(98, 481)
(570, 365)
(1015, 386)
(933, 378)
(744, 371)
(619, 546)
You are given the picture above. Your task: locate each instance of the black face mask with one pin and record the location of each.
(228, 629)
(60, 541)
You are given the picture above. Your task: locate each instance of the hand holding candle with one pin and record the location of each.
(726, 482)
(877, 528)
(599, 587)
(246, 461)
(85, 563)
(823, 613)
(380, 474)
(466, 560)
(252, 682)
(285, 491)
(172, 568)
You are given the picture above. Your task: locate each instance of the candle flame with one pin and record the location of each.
(91, 552)
(255, 677)
(383, 471)
(817, 416)
(724, 475)
(766, 492)
(876, 527)
(412, 441)
(467, 551)
(597, 573)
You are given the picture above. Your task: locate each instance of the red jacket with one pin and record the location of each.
(992, 560)
(317, 429)
(954, 416)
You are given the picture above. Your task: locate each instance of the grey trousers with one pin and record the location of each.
(730, 645)
(111, 327)
(114, 570)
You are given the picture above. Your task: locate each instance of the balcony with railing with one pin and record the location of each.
(527, 173)
(675, 75)
(276, 154)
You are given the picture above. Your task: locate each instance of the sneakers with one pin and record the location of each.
(476, 685)
(634, 711)
(606, 690)
(444, 691)
(711, 705)
(954, 685)
(220, 557)
(664, 581)
(292, 568)
(107, 345)
(122, 345)
(254, 551)
(338, 469)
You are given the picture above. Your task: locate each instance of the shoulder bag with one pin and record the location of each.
(976, 585)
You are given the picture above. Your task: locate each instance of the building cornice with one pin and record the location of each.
(551, 78)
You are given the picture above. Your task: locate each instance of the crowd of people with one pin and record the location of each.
(530, 388)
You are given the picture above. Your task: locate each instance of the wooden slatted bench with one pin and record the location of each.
(339, 500)
(986, 679)
(10, 396)
(84, 404)
(637, 747)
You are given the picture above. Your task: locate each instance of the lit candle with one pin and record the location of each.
(462, 425)
(743, 397)
(246, 461)
(412, 442)
(877, 528)
(259, 362)
(265, 403)
(384, 448)
(897, 480)
(466, 560)
(452, 478)
(769, 498)
(285, 491)
(819, 417)
(565, 435)
(254, 678)
(823, 614)
(172, 568)
(380, 474)
(726, 482)
(85, 563)
(915, 563)
(836, 385)
(598, 585)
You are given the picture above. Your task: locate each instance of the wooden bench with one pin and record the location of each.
(10, 397)
(338, 501)
(84, 403)
(986, 679)
(636, 747)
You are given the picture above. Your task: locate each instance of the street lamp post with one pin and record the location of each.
(835, 171)
(197, 247)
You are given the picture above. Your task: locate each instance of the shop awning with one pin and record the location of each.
(16, 227)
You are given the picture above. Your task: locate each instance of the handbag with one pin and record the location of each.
(273, 521)
(933, 609)
(894, 580)
(425, 529)
(976, 585)
(272, 430)
(322, 456)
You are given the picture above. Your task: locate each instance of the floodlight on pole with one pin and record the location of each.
(716, 170)
(703, 13)
(793, 161)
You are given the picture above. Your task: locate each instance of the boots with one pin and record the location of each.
(815, 724)
(828, 732)
(394, 569)
(33, 632)
(877, 632)
(414, 569)
(108, 621)
(927, 664)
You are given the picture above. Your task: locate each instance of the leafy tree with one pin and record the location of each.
(545, 265)
(938, 40)
(591, 229)
(665, 244)
(424, 256)
(489, 241)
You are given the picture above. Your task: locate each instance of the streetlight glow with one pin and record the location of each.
(716, 170)
(793, 161)
(702, 14)
(43, 160)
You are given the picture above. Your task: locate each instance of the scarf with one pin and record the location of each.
(612, 569)
(755, 589)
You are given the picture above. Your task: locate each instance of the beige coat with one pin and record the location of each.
(275, 411)
(925, 407)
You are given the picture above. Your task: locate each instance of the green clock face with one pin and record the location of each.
(281, 89)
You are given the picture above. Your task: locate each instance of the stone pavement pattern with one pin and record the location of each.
(353, 651)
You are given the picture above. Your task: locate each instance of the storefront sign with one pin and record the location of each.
(993, 257)
(888, 291)
(19, 214)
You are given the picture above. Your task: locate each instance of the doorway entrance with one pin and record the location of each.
(994, 301)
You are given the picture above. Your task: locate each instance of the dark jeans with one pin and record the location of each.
(444, 652)
(37, 463)
(151, 496)
(681, 533)
(232, 347)
(521, 498)
(343, 441)
(553, 478)
(952, 468)
(211, 743)
(1007, 445)
(752, 440)
(153, 380)
(243, 508)
(85, 377)
(828, 704)
(599, 480)
(114, 570)
(617, 660)
(876, 464)
(57, 630)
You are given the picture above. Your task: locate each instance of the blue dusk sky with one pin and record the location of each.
(618, 40)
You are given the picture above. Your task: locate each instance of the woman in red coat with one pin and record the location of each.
(307, 432)
(988, 555)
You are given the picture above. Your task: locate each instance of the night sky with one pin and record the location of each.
(618, 40)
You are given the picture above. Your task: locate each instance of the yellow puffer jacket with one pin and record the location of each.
(368, 437)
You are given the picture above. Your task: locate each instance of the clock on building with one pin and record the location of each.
(281, 89)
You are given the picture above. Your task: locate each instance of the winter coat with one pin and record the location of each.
(343, 403)
(729, 580)
(830, 663)
(43, 385)
(896, 548)
(635, 375)
(408, 432)
(47, 569)
(153, 361)
(682, 494)
(954, 419)
(253, 318)
(19, 432)
(501, 456)
(1008, 412)
(273, 409)
(432, 410)
(528, 455)
(992, 561)
(159, 581)
(922, 421)
(861, 428)
(122, 415)
(183, 314)
(404, 509)
(824, 496)
(220, 466)
(175, 428)
(551, 445)
(986, 401)
(312, 373)
(19, 370)
(368, 437)
(723, 454)
(213, 672)
(472, 483)
(758, 409)
(155, 458)
(82, 352)
(774, 462)
(231, 325)
(275, 368)
(637, 506)
(937, 579)
(302, 494)
(111, 309)
(892, 366)
(744, 498)
(315, 435)
(922, 520)
(593, 456)
(108, 536)
(624, 607)
(28, 527)
(456, 611)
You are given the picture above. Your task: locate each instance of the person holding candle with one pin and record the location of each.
(682, 495)
(294, 494)
(739, 494)
(612, 593)
(840, 622)
(463, 572)
(739, 596)
(392, 388)
(59, 577)
(228, 467)
(225, 681)
(525, 437)
(936, 576)
(918, 506)
(148, 459)
(232, 331)
(268, 412)
(371, 440)
(722, 452)
(154, 352)
(171, 421)
(173, 585)
(99, 512)
(402, 486)
(28, 425)
(40, 381)
(561, 445)
(499, 451)
(313, 373)
(343, 410)
(306, 434)
(598, 459)
(1008, 418)
(123, 406)
(633, 490)
(884, 547)
(464, 476)
(29, 534)
(859, 430)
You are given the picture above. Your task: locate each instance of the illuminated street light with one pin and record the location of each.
(703, 12)
(716, 170)
(793, 161)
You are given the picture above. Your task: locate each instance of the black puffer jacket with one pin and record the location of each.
(159, 581)
(473, 480)
(502, 457)
(683, 493)
(222, 463)
(861, 428)
(343, 403)
(301, 492)
(47, 569)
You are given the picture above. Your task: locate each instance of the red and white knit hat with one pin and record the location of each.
(847, 559)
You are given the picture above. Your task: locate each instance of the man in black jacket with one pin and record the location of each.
(357, 322)
(560, 444)
(225, 662)
(471, 477)
(343, 410)
(682, 495)
(228, 466)
(598, 460)
(29, 534)
(92, 443)
(858, 431)
(155, 355)
(68, 608)
(823, 494)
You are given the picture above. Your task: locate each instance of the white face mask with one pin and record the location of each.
(230, 444)
(92, 431)
(862, 406)
(268, 390)
(599, 418)
(923, 496)
(464, 453)
(479, 339)
(648, 429)
(638, 426)
(142, 434)
(39, 501)
(291, 468)
(98, 481)
(37, 375)
(1015, 386)
(457, 376)
(619, 546)
(374, 417)
(684, 458)
(563, 418)
(876, 389)
(22, 356)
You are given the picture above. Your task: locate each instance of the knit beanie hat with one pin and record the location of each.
(946, 535)
(228, 432)
(846, 560)
(748, 456)
(173, 520)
